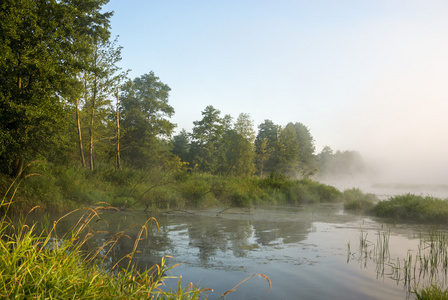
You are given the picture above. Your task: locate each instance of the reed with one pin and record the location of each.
(40, 265)
(37, 264)
(429, 262)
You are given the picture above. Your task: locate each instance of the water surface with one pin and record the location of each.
(304, 250)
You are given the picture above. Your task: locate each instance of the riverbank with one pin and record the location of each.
(62, 189)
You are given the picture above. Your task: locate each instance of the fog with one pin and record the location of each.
(368, 76)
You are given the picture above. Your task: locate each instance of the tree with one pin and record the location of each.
(267, 147)
(244, 126)
(39, 43)
(181, 146)
(144, 119)
(206, 138)
(306, 149)
(289, 150)
(240, 147)
(101, 77)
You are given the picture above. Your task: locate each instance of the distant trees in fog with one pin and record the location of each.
(339, 163)
(219, 145)
(59, 97)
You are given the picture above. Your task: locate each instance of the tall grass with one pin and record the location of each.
(356, 200)
(41, 265)
(429, 263)
(413, 208)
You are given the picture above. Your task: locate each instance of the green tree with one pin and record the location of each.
(267, 147)
(101, 77)
(39, 43)
(289, 150)
(307, 165)
(145, 114)
(206, 138)
(240, 146)
(181, 146)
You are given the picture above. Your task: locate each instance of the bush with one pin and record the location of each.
(196, 192)
(432, 292)
(41, 266)
(238, 199)
(410, 207)
(356, 200)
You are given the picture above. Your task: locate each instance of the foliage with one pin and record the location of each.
(266, 145)
(355, 199)
(433, 292)
(40, 265)
(206, 139)
(339, 163)
(298, 191)
(289, 150)
(414, 208)
(40, 43)
(144, 113)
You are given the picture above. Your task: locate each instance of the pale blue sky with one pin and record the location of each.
(367, 75)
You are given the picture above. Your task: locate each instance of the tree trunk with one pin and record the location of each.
(81, 151)
(92, 115)
(118, 161)
(18, 167)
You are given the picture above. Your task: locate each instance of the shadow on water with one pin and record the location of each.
(302, 249)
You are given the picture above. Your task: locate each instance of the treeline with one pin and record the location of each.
(340, 163)
(65, 103)
(219, 145)
(59, 97)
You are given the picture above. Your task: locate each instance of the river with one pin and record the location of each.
(307, 252)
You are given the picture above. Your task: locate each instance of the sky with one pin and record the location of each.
(364, 75)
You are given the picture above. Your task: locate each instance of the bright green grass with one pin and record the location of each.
(40, 266)
(432, 292)
(356, 200)
(413, 208)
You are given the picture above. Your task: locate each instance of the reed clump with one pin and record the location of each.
(428, 263)
(356, 200)
(40, 265)
(413, 208)
(432, 292)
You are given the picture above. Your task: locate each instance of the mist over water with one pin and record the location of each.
(395, 176)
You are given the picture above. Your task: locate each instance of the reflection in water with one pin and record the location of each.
(302, 249)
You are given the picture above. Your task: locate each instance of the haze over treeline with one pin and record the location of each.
(60, 103)
(362, 75)
(60, 71)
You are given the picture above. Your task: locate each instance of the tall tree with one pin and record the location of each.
(181, 146)
(206, 138)
(240, 146)
(39, 42)
(145, 114)
(307, 165)
(267, 147)
(101, 78)
(289, 150)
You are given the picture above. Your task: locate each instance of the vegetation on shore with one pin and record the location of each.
(36, 263)
(414, 208)
(63, 188)
(41, 265)
(401, 208)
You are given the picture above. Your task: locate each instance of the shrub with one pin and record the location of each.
(410, 207)
(41, 266)
(432, 292)
(355, 199)
(195, 192)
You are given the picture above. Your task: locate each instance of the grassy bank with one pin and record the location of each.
(413, 208)
(62, 188)
(41, 265)
(401, 208)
